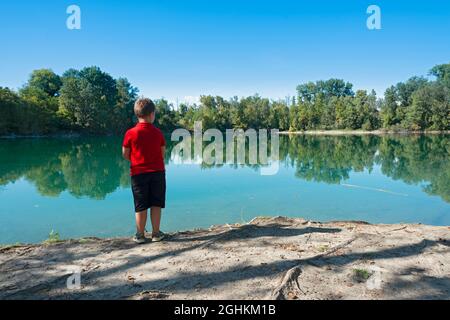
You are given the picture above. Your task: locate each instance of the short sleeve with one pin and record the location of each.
(126, 140)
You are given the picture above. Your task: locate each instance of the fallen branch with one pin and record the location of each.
(398, 229)
(336, 248)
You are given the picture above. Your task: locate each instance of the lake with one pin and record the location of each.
(81, 187)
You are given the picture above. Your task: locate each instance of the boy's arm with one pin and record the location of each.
(163, 145)
(126, 153)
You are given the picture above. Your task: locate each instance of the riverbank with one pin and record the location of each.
(64, 135)
(268, 258)
(361, 132)
(307, 132)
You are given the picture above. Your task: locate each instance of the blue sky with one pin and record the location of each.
(182, 48)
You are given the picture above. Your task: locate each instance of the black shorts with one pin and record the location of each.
(149, 190)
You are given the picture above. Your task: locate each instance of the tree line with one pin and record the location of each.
(87, 100)
(92, 101)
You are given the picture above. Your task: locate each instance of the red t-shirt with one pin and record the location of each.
(145, 142)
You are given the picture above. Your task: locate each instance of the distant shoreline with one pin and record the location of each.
(45, 136)
(307, 132)
(361, 132)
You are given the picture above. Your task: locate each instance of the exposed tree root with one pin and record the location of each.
(289, 285)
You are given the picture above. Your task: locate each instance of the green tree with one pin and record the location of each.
(45, 80)
(442, 73)
(430, 108)
(166, 118)
(389, 108)
(366, 110)
(88, 98)
(123, 116)
(406, 89)
(223, 112)
(308, 92)
(279, 116)
(10, 108)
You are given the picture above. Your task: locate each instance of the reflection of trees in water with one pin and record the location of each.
(331, 159)
(411, 159)
(94, 167)
(90, 167)
(35, 160)
(421, 159)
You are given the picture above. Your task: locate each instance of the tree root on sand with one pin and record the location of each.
(289, 287)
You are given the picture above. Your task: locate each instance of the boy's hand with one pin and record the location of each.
(126, 153)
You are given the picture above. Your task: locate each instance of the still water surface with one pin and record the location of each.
(80, 187)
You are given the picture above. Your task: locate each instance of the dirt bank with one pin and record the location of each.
(268, 258)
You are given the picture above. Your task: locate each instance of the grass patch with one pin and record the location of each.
(361, 275)
(85, 240)
(323, 248)
(53, 237)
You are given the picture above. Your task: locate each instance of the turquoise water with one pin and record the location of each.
(80, 187)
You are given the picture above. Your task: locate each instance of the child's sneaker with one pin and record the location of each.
(139, 238)
(158, 237)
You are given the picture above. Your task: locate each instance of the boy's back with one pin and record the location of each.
(145, 142)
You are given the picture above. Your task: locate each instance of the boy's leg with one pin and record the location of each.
(140, 188)
(141, 221)
(155, 213)
(157, 200)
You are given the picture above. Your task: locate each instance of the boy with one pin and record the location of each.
(144, 146)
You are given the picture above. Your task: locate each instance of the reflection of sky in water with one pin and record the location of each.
(200, 197)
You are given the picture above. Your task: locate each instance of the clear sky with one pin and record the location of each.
(183, 48)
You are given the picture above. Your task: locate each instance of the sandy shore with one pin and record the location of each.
(268, 258)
